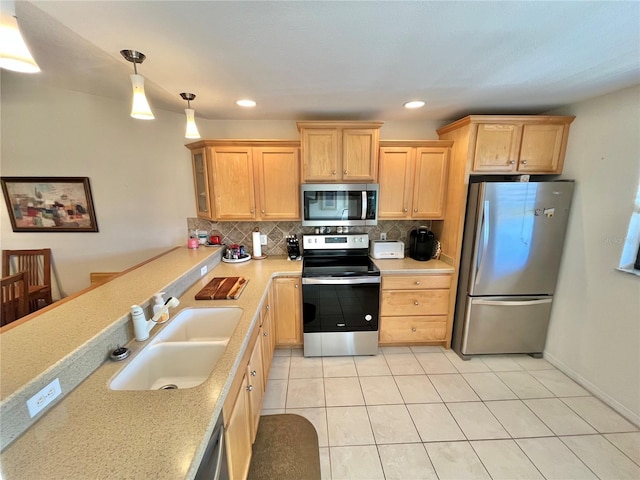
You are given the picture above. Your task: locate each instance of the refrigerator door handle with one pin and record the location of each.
(507, 303)
(484, 236)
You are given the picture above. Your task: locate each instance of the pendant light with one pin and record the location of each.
(140, 107)
(192, 128)
(14, 53)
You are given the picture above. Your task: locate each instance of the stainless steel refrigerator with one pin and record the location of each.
(512, 245)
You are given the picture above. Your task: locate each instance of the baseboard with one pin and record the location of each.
(597, 392)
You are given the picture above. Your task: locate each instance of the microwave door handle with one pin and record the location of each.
(364, 205)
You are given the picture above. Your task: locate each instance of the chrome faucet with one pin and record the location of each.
(142, 326)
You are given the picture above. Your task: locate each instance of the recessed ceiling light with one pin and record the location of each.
(414, 104)
(246, 103)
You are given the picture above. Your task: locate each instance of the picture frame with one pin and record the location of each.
(328, 201)
(49, 204)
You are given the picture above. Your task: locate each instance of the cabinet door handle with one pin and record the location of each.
(415, 209)
(333, 172)
(262, 211)
(250, 388)
(416, 303)
(266, 334)
(405, 210)
(267, 307)
(417, 282)
(252, 210)
(413, 329)
(296, 285)
(524, 162)
(345, 172)
(254, 373)
(512, 162)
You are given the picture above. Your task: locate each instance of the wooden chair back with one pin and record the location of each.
(37, 264)
(15, 298)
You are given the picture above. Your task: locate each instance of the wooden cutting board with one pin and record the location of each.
(222, 288)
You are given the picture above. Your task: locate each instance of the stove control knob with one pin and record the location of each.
(368, 317)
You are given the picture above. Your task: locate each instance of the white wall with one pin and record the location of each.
(140, 171)
(595, 325)
(140, 175)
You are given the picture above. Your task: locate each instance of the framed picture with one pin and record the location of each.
(328, 201)
(49, 204)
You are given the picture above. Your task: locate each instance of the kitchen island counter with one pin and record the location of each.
(95, 432)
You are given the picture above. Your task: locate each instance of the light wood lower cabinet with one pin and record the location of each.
(414, 309)
(242, 407)
(287, 298)
(238, 432)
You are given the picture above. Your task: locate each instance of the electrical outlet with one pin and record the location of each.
(44, 397)
(263, 239)
(383, 236)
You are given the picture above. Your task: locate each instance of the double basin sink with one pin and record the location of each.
(184, 353)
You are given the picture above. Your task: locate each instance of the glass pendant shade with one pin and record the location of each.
(192, 128)
(14, 53)
(140, 107)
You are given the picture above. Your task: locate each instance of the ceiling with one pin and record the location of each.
(339, 59)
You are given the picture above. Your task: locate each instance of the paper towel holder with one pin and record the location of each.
(255, 236)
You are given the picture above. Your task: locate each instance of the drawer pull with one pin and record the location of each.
(413, 329)
(415, 303)
(417, 282)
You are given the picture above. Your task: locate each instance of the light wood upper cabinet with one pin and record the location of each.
(287, 299)
(233, 186)
(515, 144)
(413, 179)
(339, 151)
(247, 179)
(201, 183)
(277, 174)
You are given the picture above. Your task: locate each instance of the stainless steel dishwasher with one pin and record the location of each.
(214, 462)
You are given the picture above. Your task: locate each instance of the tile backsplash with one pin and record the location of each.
(276, 232)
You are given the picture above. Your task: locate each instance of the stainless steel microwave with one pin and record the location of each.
(345, 204)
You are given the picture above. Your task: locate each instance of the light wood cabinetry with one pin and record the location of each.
(414, 309)
(413, 179)
(243, 405)
(247, 180)
(515, 144)
(201, 183)
(238, 431)
(287, 299)
(255, 388)
(339, 151)
(267, 336)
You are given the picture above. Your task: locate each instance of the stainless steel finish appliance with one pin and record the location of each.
(354, 204)
(214, 462)
(512, 245)
(340, 296)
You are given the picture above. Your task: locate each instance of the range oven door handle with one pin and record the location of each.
(339, 280)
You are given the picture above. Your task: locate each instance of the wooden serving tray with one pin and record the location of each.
(223, 288)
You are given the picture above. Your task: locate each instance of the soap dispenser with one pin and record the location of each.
(157, 305)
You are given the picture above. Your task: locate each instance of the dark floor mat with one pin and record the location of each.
(286, 448)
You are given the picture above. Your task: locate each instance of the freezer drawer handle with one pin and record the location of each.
(507, 303)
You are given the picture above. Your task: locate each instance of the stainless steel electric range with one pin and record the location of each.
(340, 296)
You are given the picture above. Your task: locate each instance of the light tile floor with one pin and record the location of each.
(423, 413)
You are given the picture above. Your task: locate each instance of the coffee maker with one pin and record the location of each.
(422, 244)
